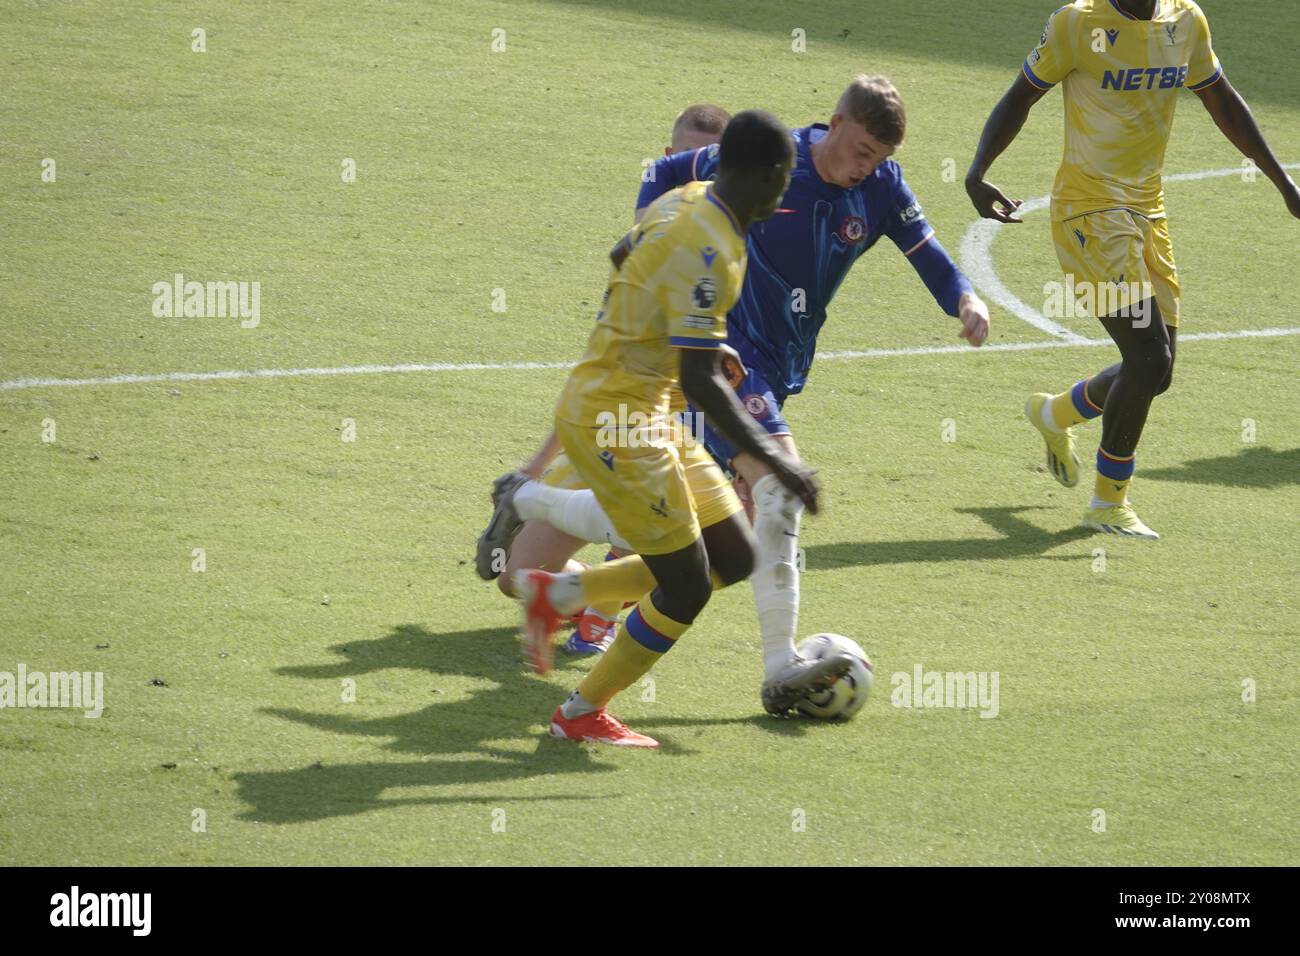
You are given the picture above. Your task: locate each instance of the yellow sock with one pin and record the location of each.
(606, 609)
(611, 607)
(642, 639)
(1114, 475)
(1073, 407)
(625, 579)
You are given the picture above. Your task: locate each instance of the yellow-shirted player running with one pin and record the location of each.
(1122, 65)
(656, 343)
(541, 545)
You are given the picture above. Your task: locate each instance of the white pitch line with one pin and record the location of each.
(20, 383)
(440, 367)
(1077, 342)
(976, 254)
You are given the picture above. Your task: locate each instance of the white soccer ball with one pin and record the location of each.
(846, 696)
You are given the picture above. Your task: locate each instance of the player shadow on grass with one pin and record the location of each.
(1252, 467)
(459, 741)
(1020, 539)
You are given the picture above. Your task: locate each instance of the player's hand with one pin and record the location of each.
(987, 198)
(974, 315)
(796, 478)
(1291, 193)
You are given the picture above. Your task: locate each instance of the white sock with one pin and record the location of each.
(1048, 421)
(1099, 503)
(565, 593)
(576, 706)
(776, 575)
(574, 512)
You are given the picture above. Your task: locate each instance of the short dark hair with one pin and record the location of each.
(755, 139)
(875, 103)
(702, 118)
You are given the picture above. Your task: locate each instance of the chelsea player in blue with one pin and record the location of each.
(845, 194)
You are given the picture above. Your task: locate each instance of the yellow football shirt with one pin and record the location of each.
(676, 274)
(1122, 77)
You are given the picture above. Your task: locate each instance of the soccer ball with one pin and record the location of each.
(846, 696)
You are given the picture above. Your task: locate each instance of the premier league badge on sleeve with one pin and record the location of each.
(705, 293)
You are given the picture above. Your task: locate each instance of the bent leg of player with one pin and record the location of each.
(1100, 251)
(647, 495)
(650, 631)
(541, 545)
(516, 499)
(1147, 364)
(625, 579)
(574, 511)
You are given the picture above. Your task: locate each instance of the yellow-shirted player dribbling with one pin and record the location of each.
(1122, 65)
(657, 342)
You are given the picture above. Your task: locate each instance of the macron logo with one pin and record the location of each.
(102, 909)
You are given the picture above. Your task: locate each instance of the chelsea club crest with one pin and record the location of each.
(853, 229)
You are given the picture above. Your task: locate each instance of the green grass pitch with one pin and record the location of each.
(335, 565)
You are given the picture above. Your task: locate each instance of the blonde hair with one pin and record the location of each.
(702, 118)
(875, 103)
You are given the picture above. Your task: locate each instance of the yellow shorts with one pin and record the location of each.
(657, 497)
(1118, 258)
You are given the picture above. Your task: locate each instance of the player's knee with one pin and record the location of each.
(507, 572)
(503, 581)
(1151, 366)
(1169, 380)
(685, 602)
(737, 563)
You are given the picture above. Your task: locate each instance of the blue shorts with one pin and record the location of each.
(761, 402)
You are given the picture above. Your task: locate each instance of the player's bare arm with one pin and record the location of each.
(1235, 120)
(705, 384)
(1003, 126)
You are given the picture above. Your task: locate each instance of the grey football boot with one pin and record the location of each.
(500, 533)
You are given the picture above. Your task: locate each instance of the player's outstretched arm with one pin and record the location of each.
(1235, 120)
(705, 385)
(1004, 124)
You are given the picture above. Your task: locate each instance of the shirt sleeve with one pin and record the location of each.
(914, 236)
(694, 299)
(669, 172)
(941, 276)
(1203, 68)
(1053, 59)
(906, 224)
